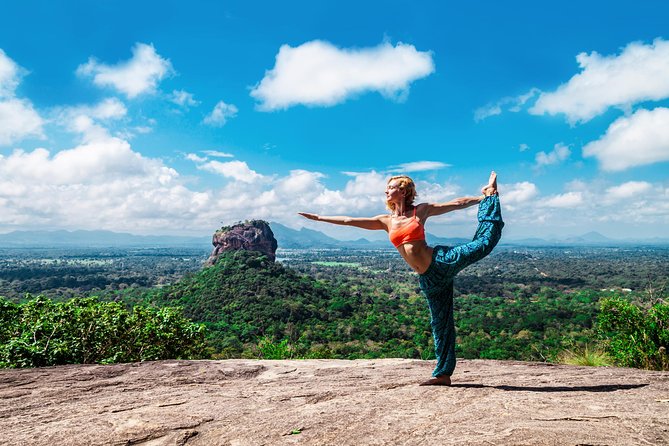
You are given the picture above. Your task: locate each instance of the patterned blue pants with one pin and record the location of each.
(437, 282)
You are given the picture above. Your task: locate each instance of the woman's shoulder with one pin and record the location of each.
(421, 210)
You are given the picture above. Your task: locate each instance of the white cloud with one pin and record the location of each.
(101, 184)
(110, 108)
(218, 154)
(194, 157)
(429, 192)
(418, 166)
(559, 153)
(183, 98)
(237, 170)
(90, 121)
(318, 73)
(220, 114)
(18, 118)
(10, 75)
(638, 73)
(139, 75)
(628, 190)
(510, 103)
(640, 139)
(300, 182)
(487, 111)
(366, 184)
(567, 200)
(523, 147)
(518, 193)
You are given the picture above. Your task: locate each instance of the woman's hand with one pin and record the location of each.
(309, 216)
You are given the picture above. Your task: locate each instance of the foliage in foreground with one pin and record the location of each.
(586, 356)
(633, 336)
(42, 332)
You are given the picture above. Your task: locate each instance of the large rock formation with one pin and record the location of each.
(254, 235)
(327, 402)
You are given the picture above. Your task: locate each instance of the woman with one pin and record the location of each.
(436, 266)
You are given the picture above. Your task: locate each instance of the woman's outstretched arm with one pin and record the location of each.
(463, 202)
(380, 222)
(453, 205)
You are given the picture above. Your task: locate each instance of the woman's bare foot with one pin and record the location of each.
(442, 380)
(490, 188)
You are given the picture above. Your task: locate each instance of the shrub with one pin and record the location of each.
(269, 349)
(587, 356)
(635, 337)
(42, 332)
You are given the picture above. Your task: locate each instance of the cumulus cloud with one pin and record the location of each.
(138, 75)
(637, 140)
(90, 121)
(318, 73)
(418, 166)
(107, 109)
(183, 99)
(18, 118)
(220, 114)
(518, 193)
(567, 200)
(195, 158)
(628, 190)
(559, 153)
(237, 170)
(638, 73)
(99, 184)
(10, 75)
(429, 192)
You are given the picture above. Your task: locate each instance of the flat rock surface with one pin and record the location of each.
(323, 402)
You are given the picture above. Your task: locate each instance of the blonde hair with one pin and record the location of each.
(407, 185)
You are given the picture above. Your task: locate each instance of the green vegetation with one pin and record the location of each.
(586, 356)
(42, 332)
(635, 337)
(345, 264)
(577, 306)
(256, 308)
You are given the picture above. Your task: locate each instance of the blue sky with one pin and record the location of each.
(176, 117)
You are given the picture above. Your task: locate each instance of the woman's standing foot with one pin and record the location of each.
(442, 380)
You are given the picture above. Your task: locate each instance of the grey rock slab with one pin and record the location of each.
(322, 402)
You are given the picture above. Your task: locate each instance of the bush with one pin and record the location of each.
(587, 356)
(635, 337)
(42, 332)
(269, 349)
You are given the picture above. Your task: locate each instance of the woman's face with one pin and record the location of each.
(393, 191)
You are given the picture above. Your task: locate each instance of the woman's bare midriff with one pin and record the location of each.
(417, 255)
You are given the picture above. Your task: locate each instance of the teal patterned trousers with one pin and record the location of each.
(437, 282)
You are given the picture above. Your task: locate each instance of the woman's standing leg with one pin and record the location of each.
(437, 283)
(438, 289)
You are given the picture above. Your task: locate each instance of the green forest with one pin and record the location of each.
(513, 305)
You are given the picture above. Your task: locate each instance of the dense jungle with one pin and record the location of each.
(540, 304)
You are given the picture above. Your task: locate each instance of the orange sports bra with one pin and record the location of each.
(410, 232)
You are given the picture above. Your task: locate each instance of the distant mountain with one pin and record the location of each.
(80, 238)
(588, 239)
(308, 238)
(434, 240)
(286, 237)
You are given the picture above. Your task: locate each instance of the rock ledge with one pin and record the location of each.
(322, 402)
